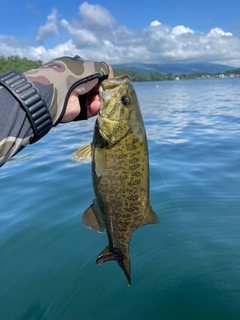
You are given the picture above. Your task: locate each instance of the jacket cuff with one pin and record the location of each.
(31, 102)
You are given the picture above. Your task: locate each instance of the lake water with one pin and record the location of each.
(186, 267)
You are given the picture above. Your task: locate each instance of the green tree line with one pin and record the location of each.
(234, 71)
(18, 64)
(139, 77)
(23, 64)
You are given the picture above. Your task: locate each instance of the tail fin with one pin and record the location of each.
(123, 260)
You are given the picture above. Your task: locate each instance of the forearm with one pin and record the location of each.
(15, 129)
(32, 103)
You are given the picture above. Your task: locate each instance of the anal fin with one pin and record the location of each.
(150, 217)
(92, 218)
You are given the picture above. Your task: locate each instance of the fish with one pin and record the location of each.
(120, 171)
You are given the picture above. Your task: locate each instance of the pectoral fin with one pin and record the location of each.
(150, 216)
(100, 161)
(84, 154)
(92, 218)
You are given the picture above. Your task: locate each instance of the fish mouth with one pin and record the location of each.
(111, 84)
(106, 91)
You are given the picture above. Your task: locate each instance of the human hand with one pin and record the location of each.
(93, 102)
(67, 79)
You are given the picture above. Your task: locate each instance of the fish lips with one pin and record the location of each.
(110, 85)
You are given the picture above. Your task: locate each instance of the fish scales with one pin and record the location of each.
(121, 187)
(120, 172)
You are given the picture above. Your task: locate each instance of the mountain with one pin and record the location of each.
(174, 68)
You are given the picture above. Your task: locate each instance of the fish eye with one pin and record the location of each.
(125, 100)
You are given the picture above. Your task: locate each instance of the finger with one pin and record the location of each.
(85, 87)
(93, 107)
(110, 75)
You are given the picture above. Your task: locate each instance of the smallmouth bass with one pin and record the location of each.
(120, 171)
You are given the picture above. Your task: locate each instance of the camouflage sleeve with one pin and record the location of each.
(66, 74)
(15, 129)
(55, 81)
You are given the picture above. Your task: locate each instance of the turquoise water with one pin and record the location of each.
(185, 267)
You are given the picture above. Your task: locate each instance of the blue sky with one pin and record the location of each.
(123, 31)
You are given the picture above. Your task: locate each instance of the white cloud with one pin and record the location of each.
(13, 42)
(81, 36)
(155, 23)
(178, 30)
(34, 53)
(96, 35)
(49, 28)
(95, 14)
(63, 49)
(217, 32)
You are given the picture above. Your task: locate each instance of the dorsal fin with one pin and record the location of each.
(92, 218)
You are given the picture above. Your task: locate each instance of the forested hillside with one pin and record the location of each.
(23, 64)
(18, 64)
(137, 76)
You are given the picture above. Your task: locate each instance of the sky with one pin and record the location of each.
(122, 31)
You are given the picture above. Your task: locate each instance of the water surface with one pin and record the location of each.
(185, 267)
